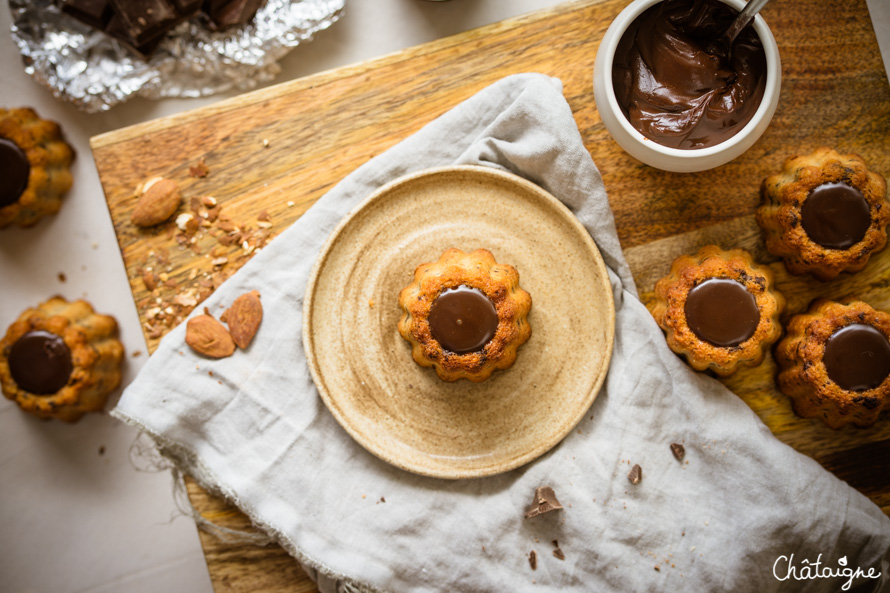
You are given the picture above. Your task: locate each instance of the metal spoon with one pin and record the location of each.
(741, 21)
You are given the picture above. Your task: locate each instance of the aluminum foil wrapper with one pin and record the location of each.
(95, 72)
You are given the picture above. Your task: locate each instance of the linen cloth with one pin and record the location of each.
(257, 431)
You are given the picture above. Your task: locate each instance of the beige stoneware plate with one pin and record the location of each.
(363, 368)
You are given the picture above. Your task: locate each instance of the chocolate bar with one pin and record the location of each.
(142, 24)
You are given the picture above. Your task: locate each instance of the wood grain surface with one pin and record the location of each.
(273, 152)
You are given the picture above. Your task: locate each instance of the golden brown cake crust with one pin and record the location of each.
(499, 282)
(710, 262)
(783, 196)
(96, 356)
(49, 157)
(804, 378)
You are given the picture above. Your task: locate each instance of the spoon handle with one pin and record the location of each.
(741, 21)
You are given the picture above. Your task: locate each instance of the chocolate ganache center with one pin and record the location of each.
(721, 312)
(14, 172)
(40, 362)
(857, 357)
(835, 215)
(678, 84)
(463, 319)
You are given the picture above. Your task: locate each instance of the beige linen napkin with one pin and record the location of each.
(258, 432)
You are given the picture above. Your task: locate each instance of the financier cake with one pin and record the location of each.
(465, 315)
(60, 360)
(34, 167)
(718, 309)
(825, 213)
(835, 363)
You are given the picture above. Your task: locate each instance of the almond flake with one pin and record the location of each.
(183, 219)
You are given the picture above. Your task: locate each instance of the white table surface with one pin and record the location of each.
(79, 510)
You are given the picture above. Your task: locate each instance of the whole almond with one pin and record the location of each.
(205, 335)
(244, 317)
(157, 204)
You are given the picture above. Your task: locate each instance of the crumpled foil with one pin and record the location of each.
(95, 72)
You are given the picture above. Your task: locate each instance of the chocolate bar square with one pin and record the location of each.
(118, 29)
(145, 20)
(95, 13)
(187, 6)
(229, 13)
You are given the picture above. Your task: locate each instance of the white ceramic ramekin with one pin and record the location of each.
(675, 159)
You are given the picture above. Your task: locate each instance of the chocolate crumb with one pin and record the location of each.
(62, 277)
(636, 474)
(136, 353)
(678, 450)
(555, 543)
(382, 499)
(533, 560)
(558, 553)
(544, 502)
(101, 449)
(657, 568)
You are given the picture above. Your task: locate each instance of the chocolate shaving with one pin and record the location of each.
(636, 474)
(678, 450)
(545, 501)
(533, 560)
(558, 553)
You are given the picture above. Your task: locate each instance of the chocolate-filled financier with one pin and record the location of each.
(824, 214)
(34, 167)
(465, 315)
(718, 309)
(835, 363)
(60, 360)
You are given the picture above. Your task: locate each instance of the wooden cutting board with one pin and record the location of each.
(273, 152)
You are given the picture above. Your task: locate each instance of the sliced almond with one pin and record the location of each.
(244, 317)
(207, 336)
